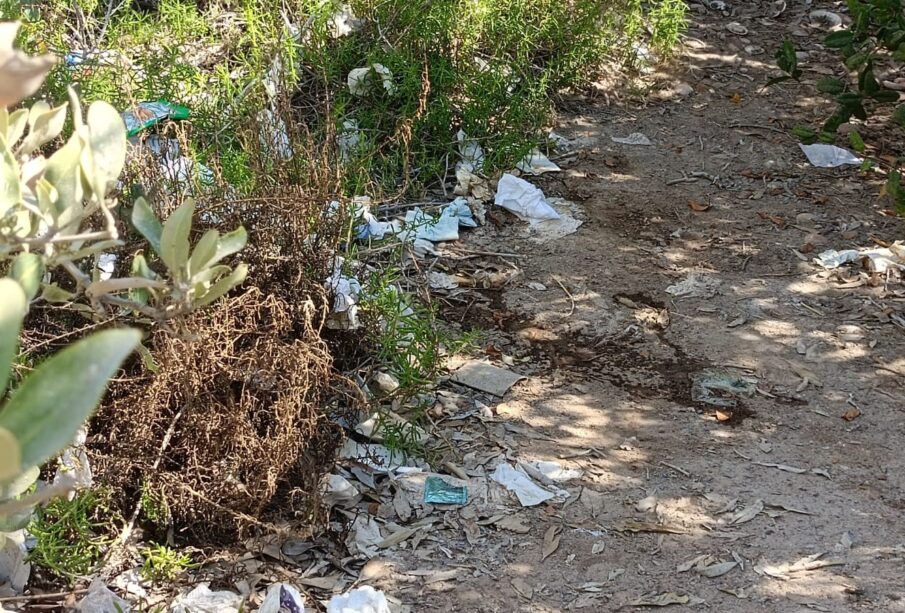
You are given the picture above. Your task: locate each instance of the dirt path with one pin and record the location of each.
(610, 356)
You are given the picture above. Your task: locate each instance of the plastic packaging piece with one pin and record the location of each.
(364, 536)
(360, 80)
(348, 140)
(14, 566)
(148, 114)
(720, 388)
(346, 292)
(273, 135)
(282, 598)
(544, 231)
(471, 152)
(360, 600)
(551, 470)
(528, 492)
(459, 208)
(343, 22)
(829, 156)
(879, 260)
(99, 599)
(438, 491)
(635, 138)
(536, 163)
(486, 377)
(203, 600)
(441, 280)
(523, 199)
(340, 492)
(378, 458)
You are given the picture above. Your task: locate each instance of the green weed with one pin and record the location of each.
(70, 535)
(162, 563)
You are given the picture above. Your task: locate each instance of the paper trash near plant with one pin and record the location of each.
(829, 156)
(879, 259)
(524, 200)
(360, 600)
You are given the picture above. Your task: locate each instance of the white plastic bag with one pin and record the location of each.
(523, 199)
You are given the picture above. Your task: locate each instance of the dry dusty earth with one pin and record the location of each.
(803, 506)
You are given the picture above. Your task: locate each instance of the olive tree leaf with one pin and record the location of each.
(10, 186)
(16, 126)
(64, 173)
(10, 456)
(204, 251)
(230, 243)
(107, 145)
(174, 239)
(28, 269)
(47, 409)
(20, 74)
(45, 125)
(222, 286)
(147, 224)
(13, 306)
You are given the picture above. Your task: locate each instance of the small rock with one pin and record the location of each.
(683, 89)
(386, 382)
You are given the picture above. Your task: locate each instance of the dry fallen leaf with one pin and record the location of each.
(851, 414)
(736, 98)
(524, 590)
(630, 525)
(598, 547)
(551, 541)
(698, 207)
(513, 523)
(723, 415)
(664, 600)
(783, 467)
(717, 570)
(747, 514)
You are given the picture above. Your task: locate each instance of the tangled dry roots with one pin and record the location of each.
(237, 427)
(241, 403)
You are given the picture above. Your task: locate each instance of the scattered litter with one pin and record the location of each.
(203, 600)
(346, 291)
(828, 19)
(360, 80)
(486, 377)
(527, 491)
(877, 260)
(524, 200)
(360, 600)
(441, 280)
(664, 600)
(707, 565)
(148, 114)
(829, 156)
(438, 490)
(343, 22)
(377, 457)
(598, 547)
(720, 388)
(385, 382)
(14, 567)
(471, 153)
(73, 465)
(695, 285)
(737, 28)
(376, 425)
(273, 135)
(543, 231)
(536, 163)
(106, 264)
(348, 139)
(551, 471)
(513, 523)
(539, 287)
(99, 599)
(283, 598)
(340, 492)
(635, 138)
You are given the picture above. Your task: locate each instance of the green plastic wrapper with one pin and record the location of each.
(438, 491)
(148, 114)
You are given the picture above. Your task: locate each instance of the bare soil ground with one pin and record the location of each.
(808, 504)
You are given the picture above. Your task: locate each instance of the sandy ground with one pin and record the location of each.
(806, 504)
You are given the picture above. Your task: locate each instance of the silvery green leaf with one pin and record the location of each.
(13, 306)
(45, 125)
(107, 139)
(64, 173)
(47, 409)
(174, 239)
(16, 128)
(204, 251)
(230, 243)
(11, 489)
(55, 294)
(10, 187)
(202, 280)
(147, 224)
(10, 458)
(222, 286)
(28, 269)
